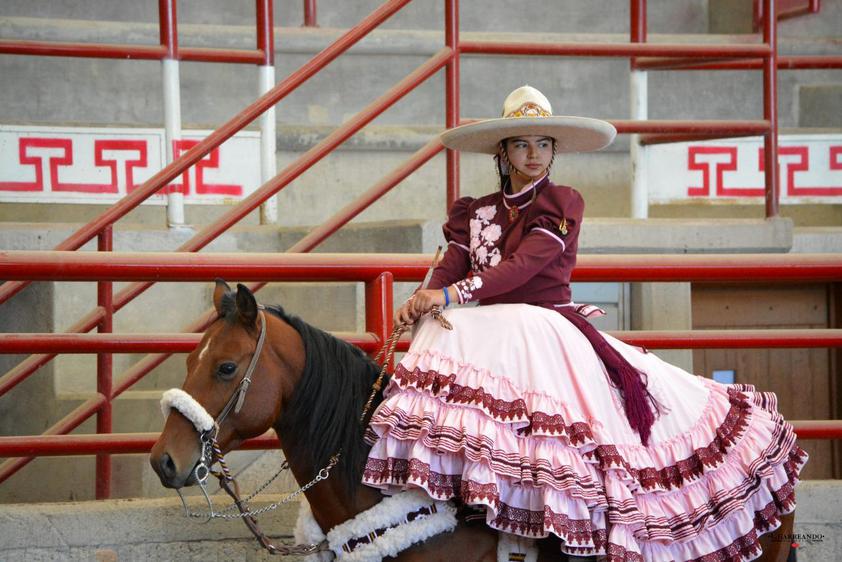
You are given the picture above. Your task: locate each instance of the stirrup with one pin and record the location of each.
(514, 548)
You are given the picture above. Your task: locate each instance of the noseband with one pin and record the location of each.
(205, 424)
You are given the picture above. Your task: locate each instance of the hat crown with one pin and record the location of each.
(527, 101)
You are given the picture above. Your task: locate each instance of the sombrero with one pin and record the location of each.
(527, 111)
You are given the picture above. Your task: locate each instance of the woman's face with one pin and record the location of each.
(530, 155)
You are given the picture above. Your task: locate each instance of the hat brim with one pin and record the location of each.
(572, 134)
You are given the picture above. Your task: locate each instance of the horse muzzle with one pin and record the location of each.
(173, 473)
(182, 455)
(168, 472)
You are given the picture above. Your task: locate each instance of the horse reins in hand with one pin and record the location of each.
(387, 353)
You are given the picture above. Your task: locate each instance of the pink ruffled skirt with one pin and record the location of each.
(513, 410)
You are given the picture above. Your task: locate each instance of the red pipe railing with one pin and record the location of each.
(379, 272)
(310, 13)
(91, 444)
(31, 364)
(167, 47)
(770, 112)
(122, 266)
(166, 175)
(613, 50)
(126, 443)
(104, 366)
(451, 96)
(63, 426)
(178, 342)
(168, 28)
(786, 9)
(785, 62)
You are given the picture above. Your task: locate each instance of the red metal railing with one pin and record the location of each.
(785, 9)
(167, 48)
(761, 56)
(379, 272)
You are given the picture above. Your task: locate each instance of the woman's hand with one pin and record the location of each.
(421, 302)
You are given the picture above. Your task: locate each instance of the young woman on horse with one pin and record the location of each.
(550, 426)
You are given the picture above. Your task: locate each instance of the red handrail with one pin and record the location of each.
(785, 9)
(125, 443)
(779, 268)
(105, 220)
(614, 50)
(310, 13)
(785, 62)
(451, 96)
(123, 266)
(166, 48)
(179, 342)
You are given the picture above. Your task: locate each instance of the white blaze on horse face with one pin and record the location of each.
(205, 349)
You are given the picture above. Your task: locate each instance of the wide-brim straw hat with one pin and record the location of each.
(527, 111)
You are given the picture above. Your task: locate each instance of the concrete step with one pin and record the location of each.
(155, 529)
(150, 529)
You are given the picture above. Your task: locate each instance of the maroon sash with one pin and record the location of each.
(640, 405)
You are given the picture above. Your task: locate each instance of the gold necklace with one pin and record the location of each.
(514, 211)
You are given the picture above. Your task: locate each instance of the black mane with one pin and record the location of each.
(322, 417)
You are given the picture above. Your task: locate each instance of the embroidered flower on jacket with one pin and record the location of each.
(484, 235)
(481, 255)
(486, 213)
(491, 233)
(466, 287)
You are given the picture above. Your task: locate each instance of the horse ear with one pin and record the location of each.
(246, 305)
(219, 291)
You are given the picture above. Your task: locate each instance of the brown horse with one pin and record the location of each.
(311, 388)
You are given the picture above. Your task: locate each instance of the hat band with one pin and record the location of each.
(529, 109)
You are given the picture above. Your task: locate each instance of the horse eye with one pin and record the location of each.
(225, 370)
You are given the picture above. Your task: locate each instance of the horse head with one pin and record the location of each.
(231, 351)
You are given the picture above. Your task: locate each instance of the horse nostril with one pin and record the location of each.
(167, 466)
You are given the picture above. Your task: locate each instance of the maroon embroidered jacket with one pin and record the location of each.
(512, 248)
